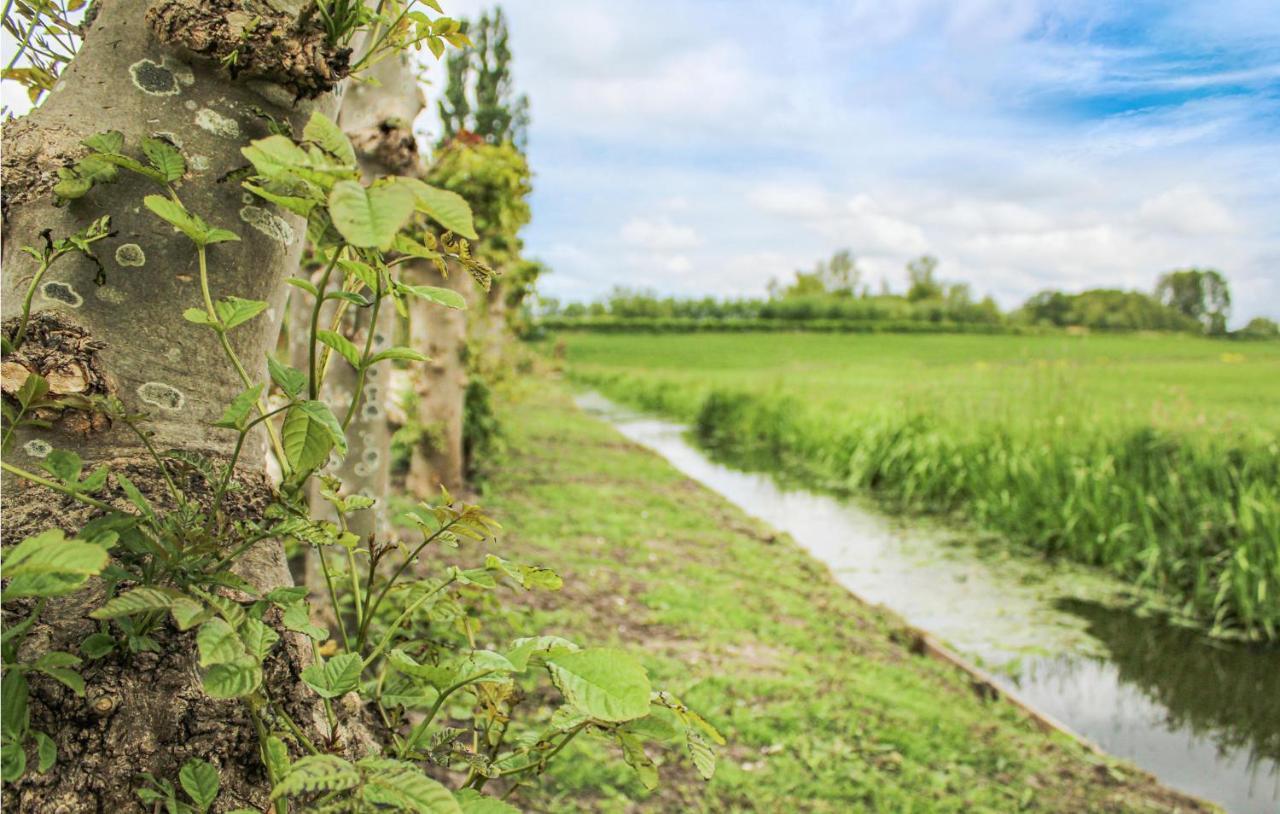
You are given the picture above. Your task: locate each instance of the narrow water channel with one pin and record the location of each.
(1202, 716)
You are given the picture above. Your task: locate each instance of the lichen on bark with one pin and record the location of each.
(254, 40)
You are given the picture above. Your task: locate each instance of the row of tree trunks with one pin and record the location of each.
(439, 385)
(123, 333)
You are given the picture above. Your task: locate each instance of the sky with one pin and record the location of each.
(697, 147)
(707, 146)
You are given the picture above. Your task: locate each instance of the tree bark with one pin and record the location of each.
(440, 385)
(135, 74)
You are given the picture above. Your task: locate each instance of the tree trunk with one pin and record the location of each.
(378, 117)
(142, 71)
(440, 384)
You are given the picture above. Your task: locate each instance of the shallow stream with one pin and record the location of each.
(1202, 716)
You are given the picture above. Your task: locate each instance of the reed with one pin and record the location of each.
(1191, 513)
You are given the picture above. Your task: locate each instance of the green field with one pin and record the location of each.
(823, 703)
(1157, 456)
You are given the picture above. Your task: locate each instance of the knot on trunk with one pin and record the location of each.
(254, 40)
(67, 357)
(32, 156)
(390, 144)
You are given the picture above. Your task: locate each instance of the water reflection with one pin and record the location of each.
(1202, 716)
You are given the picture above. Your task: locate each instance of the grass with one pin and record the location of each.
(823, 708)
(1156, 456)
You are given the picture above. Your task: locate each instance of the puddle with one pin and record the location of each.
(1202, 716)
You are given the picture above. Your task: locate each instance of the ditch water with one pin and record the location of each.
(1203, 716)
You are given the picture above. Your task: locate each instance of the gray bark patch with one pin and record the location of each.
(111, 294)
(270, 225)
(216, 123)
(61, 292)
(131, 254)
(154, 78)
(164, 396)
(37, 448)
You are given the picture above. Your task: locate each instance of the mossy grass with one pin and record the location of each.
(823, 704)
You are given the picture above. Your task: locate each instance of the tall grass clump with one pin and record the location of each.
(1194, 516)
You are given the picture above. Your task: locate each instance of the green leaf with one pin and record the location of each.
(309, 432)
(232, 679)
(274, 155)
(447, 208)
(523, 650)
(293, 203)
(633, 753)
(364, 272)
(64, 465)
(97, 645)
(69, 188)
(13, 762)
(305, 285)
(258, 638)
(701, 752)
(473, 802)
(187, 613)
(218, 643)
(401, 785)
(199, 780)
(237, 412)
(69, 677)
(95, 170)
(441, 296)
(112, 141)
(49, 565)
(314, 773)
(532, 577)
(32, 390)
(398, 352)
(345, 347)
(370, 217)
(329, 137)
(165, 158)
(134, 494)
(337, 676)
(14, 714)
(349, 296)
(46, 752)
(199, 316)
(179, 218)
(139, 600)
(296, 618)
(215, 235)
(276, 756)
(234, 311)
(606, 683)
(290, 380)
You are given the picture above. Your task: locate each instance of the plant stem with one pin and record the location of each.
(55, 486)
(395, 626)
(21, 335)
(421, 728)
(220, 329)
(313, 387)
(391, 582)
(333, 597)
(542, 762)
(364, 359)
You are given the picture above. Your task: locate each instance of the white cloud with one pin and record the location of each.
(1186, 210)
(658, 234)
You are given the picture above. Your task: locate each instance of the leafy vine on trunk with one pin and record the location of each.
(159, 546)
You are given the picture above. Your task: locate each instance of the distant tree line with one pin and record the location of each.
(834, 296)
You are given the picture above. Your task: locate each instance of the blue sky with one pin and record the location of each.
(705, 147)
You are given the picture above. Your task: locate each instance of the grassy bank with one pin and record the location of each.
(1154, 456)
(823, 709)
